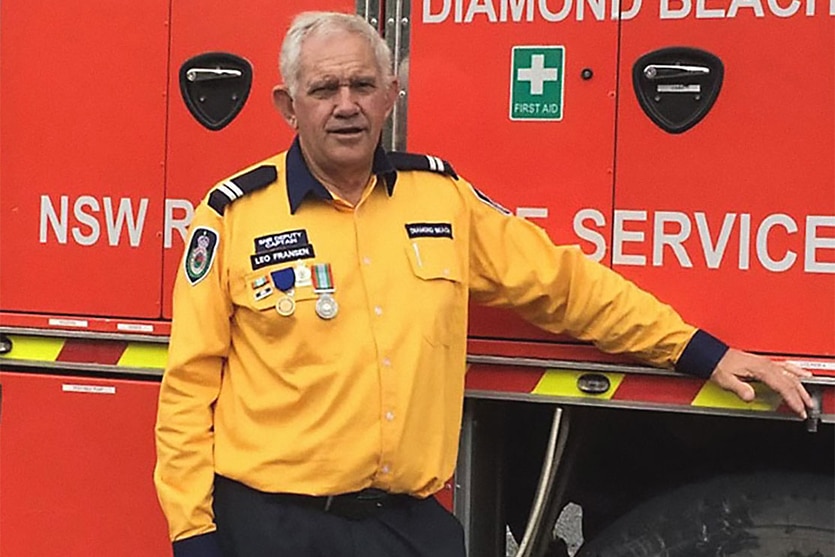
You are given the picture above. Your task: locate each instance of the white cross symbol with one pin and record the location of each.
(537, 74)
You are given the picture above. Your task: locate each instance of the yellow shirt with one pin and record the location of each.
(373, 395)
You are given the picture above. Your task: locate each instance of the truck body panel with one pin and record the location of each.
(730, 219)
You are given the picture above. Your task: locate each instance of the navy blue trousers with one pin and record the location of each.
(253, 524)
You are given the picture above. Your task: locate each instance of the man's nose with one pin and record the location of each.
(346, 101)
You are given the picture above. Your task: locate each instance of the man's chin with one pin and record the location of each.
(352, 153)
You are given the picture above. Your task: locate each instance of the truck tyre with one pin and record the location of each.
(758, 515)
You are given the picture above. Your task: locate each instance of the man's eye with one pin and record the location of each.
(323, 90)
(364, 86)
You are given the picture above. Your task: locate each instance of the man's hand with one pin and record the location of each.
(736, 367)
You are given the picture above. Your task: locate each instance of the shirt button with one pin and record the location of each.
(446, 272)
(385, 469)
(378, 310)
(366, 260)
(389, 415)
(386, 362)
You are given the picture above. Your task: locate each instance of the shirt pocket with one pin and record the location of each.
(439, 303)
(303, 337)
(256, 296)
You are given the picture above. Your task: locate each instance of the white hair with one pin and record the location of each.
(308, 23)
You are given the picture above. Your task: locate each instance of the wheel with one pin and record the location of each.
(757, 515)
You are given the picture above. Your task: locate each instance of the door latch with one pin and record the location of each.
(677, 86)
(215, 86)
(204, 74)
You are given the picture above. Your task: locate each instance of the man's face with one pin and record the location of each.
(341, 103)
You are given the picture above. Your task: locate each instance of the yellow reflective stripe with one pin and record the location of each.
(40, 349)
(713, 396)
(557, 382)
(144, 355)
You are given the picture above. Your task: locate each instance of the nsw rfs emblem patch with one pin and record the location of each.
(200, 254)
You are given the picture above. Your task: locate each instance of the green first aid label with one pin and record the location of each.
(536, 82)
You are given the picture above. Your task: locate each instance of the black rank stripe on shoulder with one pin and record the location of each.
(412, 161)
(225, 193)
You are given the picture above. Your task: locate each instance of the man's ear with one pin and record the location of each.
(284, 104)
(392, 94)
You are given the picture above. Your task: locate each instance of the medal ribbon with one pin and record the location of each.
(322, 278)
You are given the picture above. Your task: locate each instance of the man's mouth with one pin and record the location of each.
(347, 131)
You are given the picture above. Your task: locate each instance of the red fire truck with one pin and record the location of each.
(689, 144)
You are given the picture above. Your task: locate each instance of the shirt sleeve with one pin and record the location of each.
(514, 264)
(199, 344)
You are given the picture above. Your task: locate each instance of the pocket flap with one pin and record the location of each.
(433, 258)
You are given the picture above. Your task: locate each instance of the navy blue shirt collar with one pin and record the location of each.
(301, 183)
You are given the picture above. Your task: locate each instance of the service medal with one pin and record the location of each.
(326, 307)
(303, 275)
(284, 279)
(285, 306)
(322, 278)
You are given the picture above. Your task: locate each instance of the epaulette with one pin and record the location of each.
(226, 192)
(412, 161)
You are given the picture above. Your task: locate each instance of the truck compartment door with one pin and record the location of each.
(732, 220)
(77, 473)
(82, 148)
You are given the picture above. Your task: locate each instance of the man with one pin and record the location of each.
(312, 399)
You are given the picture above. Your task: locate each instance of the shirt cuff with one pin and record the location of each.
(701, 355)
(203, 545)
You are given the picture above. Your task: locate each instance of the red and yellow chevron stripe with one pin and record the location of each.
(121, 355)
(629, 389)
(651, 390)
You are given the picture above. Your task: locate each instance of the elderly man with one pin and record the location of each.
(312, 400)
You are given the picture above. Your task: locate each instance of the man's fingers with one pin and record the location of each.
(794, 369)
(801, 391)
(740, 388)
(793, 374)
(785, 379)
(737, 367)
